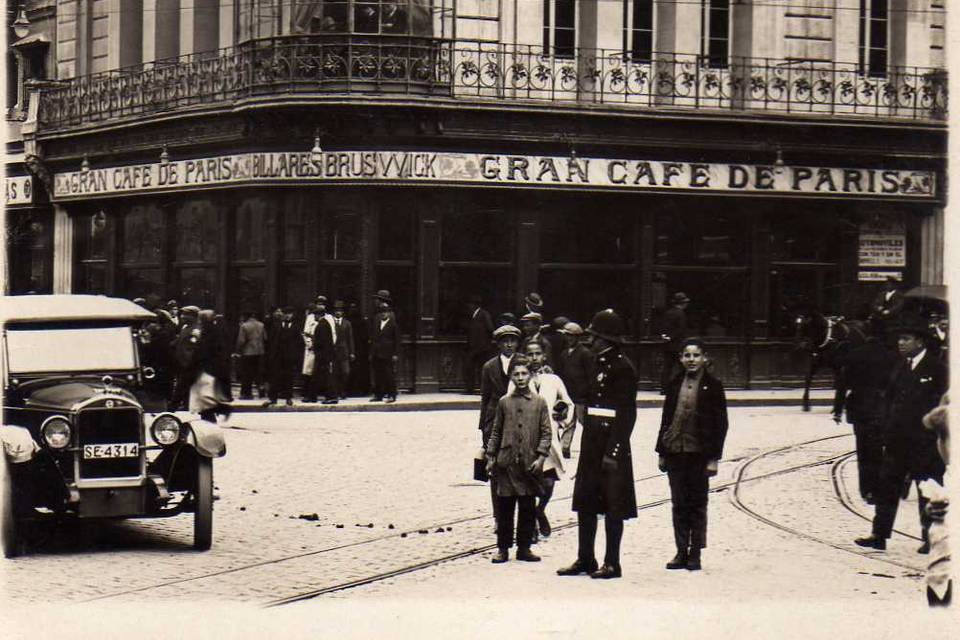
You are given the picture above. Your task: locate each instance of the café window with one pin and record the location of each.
(91, 231)
(370, 17)
(712, 237)
(476, 259)
(196, 235)
(248, 273)
(718, 300)
(143, 230)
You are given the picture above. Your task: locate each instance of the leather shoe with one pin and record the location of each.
(693, 562)
(578, 567)
(872, 542)
(502, 555)
(544, 525)
(679, 561)
(924, 548)
(606, 572)
(525, 555)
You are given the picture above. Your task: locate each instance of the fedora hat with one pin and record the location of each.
(383, 295)
(533, 302)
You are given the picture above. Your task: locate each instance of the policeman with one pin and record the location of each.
(604, 482)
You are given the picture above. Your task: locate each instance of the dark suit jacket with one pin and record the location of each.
(885, 309)
(493, 386)
(344, 347)
(577, 369)
(910, 395)
(284, 347)
(865, 371)
(384, 343)
(323, 341)
(480, 332)
(711, 414)
(674, 326)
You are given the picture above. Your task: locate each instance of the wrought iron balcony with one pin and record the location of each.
(331, 64)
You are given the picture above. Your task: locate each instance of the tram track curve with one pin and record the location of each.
(843, 494)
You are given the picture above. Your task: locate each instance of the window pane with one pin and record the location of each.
(579, 294)
(247, 286)
(248, 234)
(294, 287)
(140, 283)
(365, 17)
(701, 238)
(93, 278)
(459, 284)
(481, 235)
(334, 16)
(342, 283)
(583, 236)
(396, 233)
(342, 235)
(794, 290)
(197, 287)
(196, 231)
(718, 301)
(92, 232)
(294, 235)
(143, 234)
(400, 282)
(796, 238)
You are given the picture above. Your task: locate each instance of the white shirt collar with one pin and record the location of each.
(505, 362)
(915, 360)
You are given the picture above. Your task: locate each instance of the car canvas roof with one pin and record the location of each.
(69, 307)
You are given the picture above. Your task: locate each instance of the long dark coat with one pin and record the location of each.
(284, 349)
(711, 412)
(384, 343)
(865, 373)
(910, 396)
(596, 491)
(493, 386)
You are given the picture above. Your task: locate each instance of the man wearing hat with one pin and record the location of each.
(324, 339)
(604, 482)
(575, 364)
(910, 452)
(343, 353)
(530, 325)
(284, 355)
(674, 332)
(533, 303)
(310, 320)
(384, 349)
(493, 386)
(185, 347)
(479, 332)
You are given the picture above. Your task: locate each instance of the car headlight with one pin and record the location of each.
(165, 429)
(56, 432)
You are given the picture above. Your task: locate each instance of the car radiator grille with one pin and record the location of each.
(109, 426)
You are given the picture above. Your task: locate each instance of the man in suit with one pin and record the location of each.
(384, 350)
(343, 353)
(886, 306)
(673, 332)
(324, 339)
(284, 356)
(493, 386)
(604, 481)
(910, 451)
(479, 332)
(576, 367)
(251, 345)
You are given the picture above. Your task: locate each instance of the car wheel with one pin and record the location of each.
(203, 498)
(8, 524)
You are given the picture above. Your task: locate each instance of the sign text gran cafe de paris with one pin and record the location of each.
(411, 167)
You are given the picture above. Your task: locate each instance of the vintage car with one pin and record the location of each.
(78, 441)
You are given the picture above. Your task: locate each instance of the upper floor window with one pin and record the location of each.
(401, 17)
(560, 28)
(873, 41)
(715, 27)
(638, 29)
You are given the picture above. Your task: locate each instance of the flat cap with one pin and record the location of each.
(190, 309)
(572, 328)
(506, 330)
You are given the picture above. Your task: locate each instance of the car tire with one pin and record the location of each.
(203, 503)
(8, 524)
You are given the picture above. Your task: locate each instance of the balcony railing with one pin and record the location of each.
(471, 71)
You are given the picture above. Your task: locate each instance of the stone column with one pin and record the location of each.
(62, 250)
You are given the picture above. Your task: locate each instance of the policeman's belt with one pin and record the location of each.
(603, 412)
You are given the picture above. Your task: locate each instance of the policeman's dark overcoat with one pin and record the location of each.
(614, 388)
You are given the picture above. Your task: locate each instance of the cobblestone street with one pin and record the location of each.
(334, 502)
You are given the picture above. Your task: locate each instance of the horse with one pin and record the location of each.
(825, 337)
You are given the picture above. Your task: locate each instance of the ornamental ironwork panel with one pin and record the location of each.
(478, 71)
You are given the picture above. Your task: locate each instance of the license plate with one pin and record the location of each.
(99, 451)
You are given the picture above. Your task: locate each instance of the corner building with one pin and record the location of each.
(757, 156)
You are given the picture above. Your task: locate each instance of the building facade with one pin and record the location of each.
(758, 156)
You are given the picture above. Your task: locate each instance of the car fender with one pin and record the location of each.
(207, 438)
(18, 445)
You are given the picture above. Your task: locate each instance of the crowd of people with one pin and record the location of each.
(193, 355)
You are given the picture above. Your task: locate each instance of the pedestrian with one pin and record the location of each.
(493, 386)
(554, 335)
(864, 371)
(550, 387)
(673, 331)
(184, 348)
(208, 395)
(156, 354)
(516, 452)
(910, 451)
(284, 356)
(344, 352)
(533, 303)
(250, 347)
(530, 325)
(308, 382)
(479, 334)
(173, 310)
(887, 304)
(604, 481)
(940, 332)
(384, 350)
(690, 444)
(939, 580)
(324, 339)
(575, 364)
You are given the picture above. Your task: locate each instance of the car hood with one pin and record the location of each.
(66, 396)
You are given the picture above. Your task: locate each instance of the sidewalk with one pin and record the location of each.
(452, 401)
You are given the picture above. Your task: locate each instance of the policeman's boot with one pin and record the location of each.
(679, 561)
(693, 559)
(525, 555)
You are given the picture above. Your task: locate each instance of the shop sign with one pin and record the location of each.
(500, 169)
(883, 246)
(19, 190)
(879, 276)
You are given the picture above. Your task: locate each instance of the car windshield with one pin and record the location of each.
(57, 350)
